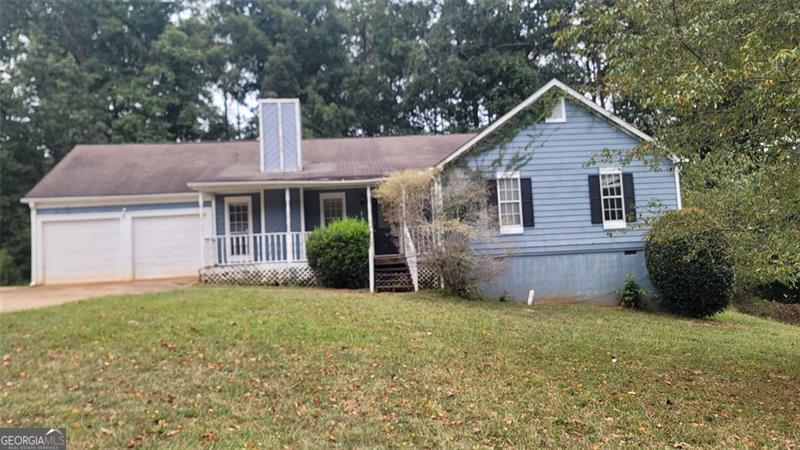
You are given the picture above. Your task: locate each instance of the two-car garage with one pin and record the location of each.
(112, 243)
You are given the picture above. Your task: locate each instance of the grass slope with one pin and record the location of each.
(255, 367)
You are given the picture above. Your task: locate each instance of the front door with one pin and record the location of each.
(238, 222)
(384, 241)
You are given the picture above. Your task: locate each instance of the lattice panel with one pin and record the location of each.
(427, 277)
(260, 274)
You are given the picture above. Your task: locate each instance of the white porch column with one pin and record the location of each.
(302, 239)
(262, 240)
(371, 242)
(437, 195)
(289, 243)
(34, 246)
(201, 214)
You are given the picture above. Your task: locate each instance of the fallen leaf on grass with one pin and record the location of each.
(207, 436)
(106, 431)
(172, 432)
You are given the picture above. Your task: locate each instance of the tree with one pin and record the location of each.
(722, 80)
(89, 72)
(479, 59)
(452, 224)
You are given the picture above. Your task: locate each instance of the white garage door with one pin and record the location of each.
(82, 251)
(165, 246)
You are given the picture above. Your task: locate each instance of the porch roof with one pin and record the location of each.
(137, 169)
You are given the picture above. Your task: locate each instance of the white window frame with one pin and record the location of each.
(561, 107)
(612, 224)
(509, 229)
(327, 196)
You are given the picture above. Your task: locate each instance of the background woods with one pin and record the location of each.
(716, 82)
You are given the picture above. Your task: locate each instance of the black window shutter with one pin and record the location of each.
(630, 197)
(491, 193)
(527, 202)
(594, 199)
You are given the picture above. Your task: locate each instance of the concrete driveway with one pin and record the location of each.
(25, 297)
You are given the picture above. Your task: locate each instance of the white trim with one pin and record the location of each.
(528, 101)
(280, 139)
(281, 152)
(261, 168)
(200, 201)
(298, 117)
(282, 184)
(34, 245)
(612, 224)
(560, 104)
(214, 215)
(329, 195)
(111, 199)
(371, 242)
(677, 171)
(239, 200)
(509, 229)
(302, 210)
(248, 248)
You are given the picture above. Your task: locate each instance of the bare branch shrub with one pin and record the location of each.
(450, 226)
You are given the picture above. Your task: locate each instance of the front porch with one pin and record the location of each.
(258, 235)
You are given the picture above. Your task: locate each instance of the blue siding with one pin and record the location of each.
(275, 210)
(269, 137)
(294, 200)
(279, 131)
(118, 208)
(219, 204)
(561, 191)
(290, 144)
(355, 202)
(577, 276)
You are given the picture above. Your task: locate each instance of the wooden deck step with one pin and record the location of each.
(392, 274)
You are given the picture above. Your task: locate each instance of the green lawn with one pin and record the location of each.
(260, 368)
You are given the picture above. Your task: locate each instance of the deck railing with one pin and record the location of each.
(425, 239)
(251, 248)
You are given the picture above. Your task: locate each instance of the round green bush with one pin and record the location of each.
(339, 254)
(689, 258)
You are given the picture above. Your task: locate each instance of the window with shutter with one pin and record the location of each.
(612, 199)
(509, 203)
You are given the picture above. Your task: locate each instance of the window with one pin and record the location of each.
(612, 199)
(509, 203)
(559, 113)
(332, 207)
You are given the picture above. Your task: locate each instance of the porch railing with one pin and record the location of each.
(425, 239)
(232, 249)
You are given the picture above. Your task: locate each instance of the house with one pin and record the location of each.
(241, 211)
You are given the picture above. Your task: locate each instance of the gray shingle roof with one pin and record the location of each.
(133, 169)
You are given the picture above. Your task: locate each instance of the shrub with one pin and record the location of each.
(452, 225)
(690, 262)
(10, 271)
(630, 294)
(339, 254)
(782, 312)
